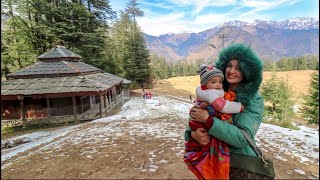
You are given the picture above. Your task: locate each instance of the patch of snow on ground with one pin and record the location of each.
(303, 143)
(299, 171)
(35, 139)
(137, 109)
(296, 108)
(280, 158)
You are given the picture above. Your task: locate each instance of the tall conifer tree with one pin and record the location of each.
(310, 107)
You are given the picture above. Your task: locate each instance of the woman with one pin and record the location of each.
(242, 69)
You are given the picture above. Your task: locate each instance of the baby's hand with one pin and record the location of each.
(242, 108)
(203, 105)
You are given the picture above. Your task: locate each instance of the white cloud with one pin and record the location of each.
(155, 24)
(262, 5)
(212, 18)
(161, 24)
(197, 17)
(258, 3)
(161, 5)
(204, 3)
(200, 5)
(266, 4)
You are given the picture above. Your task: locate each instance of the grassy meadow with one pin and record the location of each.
(184, 86)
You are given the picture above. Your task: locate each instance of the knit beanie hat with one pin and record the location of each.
(208, 72)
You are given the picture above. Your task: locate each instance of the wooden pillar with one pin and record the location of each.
(22, 111)
(122, 97)
(110, 99)
(107, 101)
(74, 104)
(104, 100)
(114, 91)
(100, 105)
(81, 102)
(90, 101)
(48, 107)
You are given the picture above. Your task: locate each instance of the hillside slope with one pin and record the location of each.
(270, 39)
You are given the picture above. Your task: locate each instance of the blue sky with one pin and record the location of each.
(176, 16)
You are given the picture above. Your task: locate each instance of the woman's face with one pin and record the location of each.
(234, 74)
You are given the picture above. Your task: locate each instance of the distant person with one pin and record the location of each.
(143, 94)
(190, 98)
(211, 86)
(242, 69)
(148, 95)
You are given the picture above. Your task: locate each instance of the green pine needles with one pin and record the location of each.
(310, 107)
(278, 101)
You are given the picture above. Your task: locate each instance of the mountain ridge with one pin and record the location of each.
(271, 39)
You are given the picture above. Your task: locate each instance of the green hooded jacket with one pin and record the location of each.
(247, 93)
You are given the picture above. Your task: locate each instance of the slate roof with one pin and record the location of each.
(57, 68)
(62, 73)
(59, 52)
(88, 83)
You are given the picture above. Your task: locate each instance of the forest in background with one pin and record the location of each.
(162, 69)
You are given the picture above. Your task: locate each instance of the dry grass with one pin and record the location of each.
(184, 86)
(298, 80)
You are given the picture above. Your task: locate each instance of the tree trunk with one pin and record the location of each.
(88, 4)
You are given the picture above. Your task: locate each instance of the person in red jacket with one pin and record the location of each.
(148, 95)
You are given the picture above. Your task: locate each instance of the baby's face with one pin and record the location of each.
(215, 83)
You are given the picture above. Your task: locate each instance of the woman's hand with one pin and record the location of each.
(201, 136)
(198, 114)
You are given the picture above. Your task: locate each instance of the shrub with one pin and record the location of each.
(6, 129)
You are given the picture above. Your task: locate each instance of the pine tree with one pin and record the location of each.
(133, 10)
(16, 48)
(130, 47)
(302, 64)
(137, 66)
(278, 100)
(310, 107)
(159, 67)
(120, 38)
(35, 26)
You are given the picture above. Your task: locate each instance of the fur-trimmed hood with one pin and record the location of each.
(251, 66)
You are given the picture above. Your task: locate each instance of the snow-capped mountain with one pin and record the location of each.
(292, 37)
(299, 23)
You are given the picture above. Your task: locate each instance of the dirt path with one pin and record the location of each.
(122, 156)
